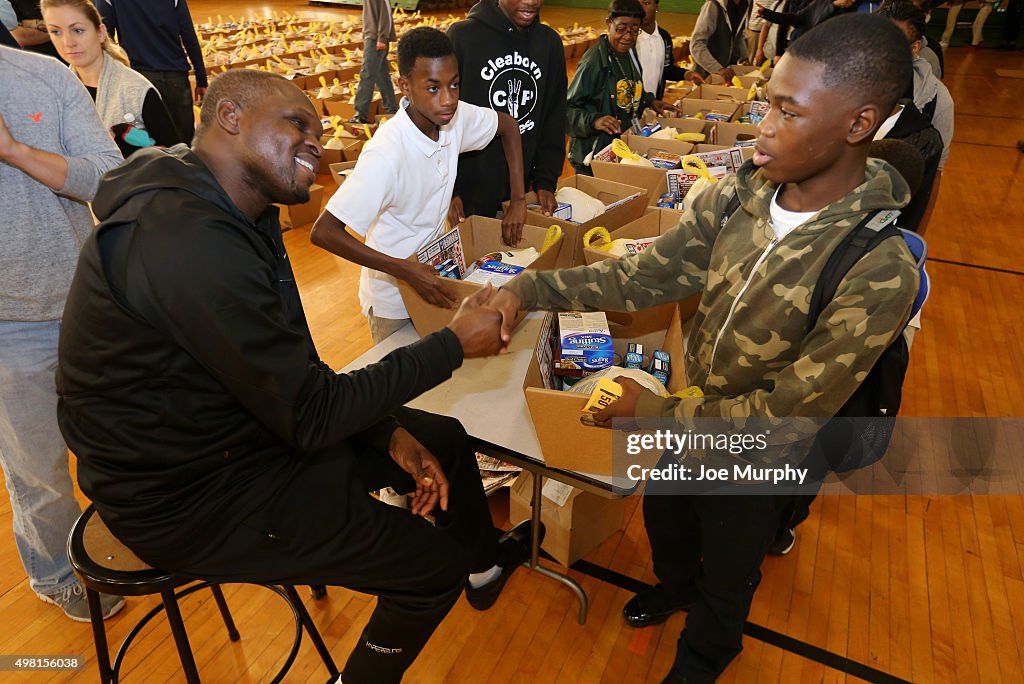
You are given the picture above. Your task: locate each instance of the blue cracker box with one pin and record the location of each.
(585, 341)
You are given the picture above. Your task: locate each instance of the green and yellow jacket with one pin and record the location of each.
(605, 83)
(749, 349)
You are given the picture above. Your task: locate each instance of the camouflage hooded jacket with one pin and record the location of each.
(749, 349)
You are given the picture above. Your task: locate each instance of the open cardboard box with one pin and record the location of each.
(350, 152)
(691, 107)
(655, 222)
(340, 167)
(650, 179)
(729, 134)
(742, 70)
(479, 236)
(567, 439)
(574, 528)
(295, 215)
(719, 93)
(630, 202)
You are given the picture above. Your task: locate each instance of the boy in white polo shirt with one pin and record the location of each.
(397, 196)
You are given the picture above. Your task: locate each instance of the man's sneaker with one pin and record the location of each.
(513, 551)
(358, 120)
(75, 605)
(784, 542)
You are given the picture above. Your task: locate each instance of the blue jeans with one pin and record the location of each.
(374, 72)
(33, 453)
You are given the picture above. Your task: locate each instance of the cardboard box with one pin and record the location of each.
(651, 180)
(337, 169)
(350, 151)
(340, 107)
(742, 70)
(724, 93)
(733, 134)
(574, 528)
(692, 106)
(655, 222)
(568, 438)
(631, 202)
(301, 214)
(479, 236)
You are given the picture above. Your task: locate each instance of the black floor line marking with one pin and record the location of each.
(768, 636)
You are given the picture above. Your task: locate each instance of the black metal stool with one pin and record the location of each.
(105, 565)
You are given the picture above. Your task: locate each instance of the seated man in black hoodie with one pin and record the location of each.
(906, 123)
(512, 63)
(213, 440)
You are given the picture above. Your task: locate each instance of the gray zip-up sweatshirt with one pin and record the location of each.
(46, 107)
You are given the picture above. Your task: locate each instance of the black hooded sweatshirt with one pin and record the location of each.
(189, 386)
(520, 73)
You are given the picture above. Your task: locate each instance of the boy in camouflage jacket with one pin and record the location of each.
(749, 350)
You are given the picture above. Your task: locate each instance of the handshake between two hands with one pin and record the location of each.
(484, 321)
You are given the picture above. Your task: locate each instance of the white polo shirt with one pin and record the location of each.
(397, 195)
(651, 49)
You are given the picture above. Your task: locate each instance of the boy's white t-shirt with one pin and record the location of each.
(397, 195)
(784, 221)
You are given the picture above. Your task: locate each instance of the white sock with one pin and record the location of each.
(479, 579)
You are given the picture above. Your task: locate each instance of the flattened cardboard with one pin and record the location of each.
(479, 236)
(573, 529)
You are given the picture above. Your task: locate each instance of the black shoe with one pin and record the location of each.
(653, 606)
(357, 120)
(513, 551)
(784, 542)
(674, 677)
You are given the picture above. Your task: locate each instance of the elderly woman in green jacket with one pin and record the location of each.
(607, 92)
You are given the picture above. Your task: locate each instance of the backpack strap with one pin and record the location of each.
(865, 237)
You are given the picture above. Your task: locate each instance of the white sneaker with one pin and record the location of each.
(72, 601)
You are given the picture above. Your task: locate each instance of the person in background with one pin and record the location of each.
(53, 150)
(157, 34)
(400, 192)
(378, 32)
(30, 31)
(530, 87)
(654, 47)
(1011, 25)
(607, 95)
(119, 92)
(8, 21)
(977, 26)
(752, 33)
(931, 97)
(718, 39)
(810, 16)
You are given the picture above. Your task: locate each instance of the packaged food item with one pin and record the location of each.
(494, 272)
(584, 207)
(563, 210)
(604, 395)
(664, 160)
(634, 355)
(584, 343)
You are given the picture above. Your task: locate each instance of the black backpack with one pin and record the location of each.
(859, 433)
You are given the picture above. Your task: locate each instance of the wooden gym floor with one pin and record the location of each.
(922, 589)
